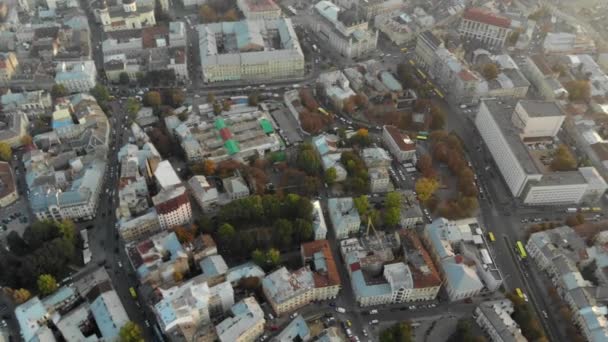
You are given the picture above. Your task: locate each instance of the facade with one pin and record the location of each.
(250, 50)
(259, 9)
(539, 73)
(488, 28)
(205, 195)
(25, 101)
(140, 227)
(245, 324)
(494, 317)
(345, 30)
(344, 216)
(76, 77)
(236, 187)
(400, 145)
(337, 88)
(318, 221)
(173, 207)
(13, 128)
(8, 185)
(8, 67)
(561, 43)
(124, 16)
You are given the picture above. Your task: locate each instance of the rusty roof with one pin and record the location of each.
(484, 16)
(322, 279)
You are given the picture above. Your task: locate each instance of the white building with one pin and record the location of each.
(337, 87)
(76, 77)
(344, 216)
(246, 323)
(173, 207)
(488, 28)
(205, 195)
(258, 49)
(236, 187)
(318, 221)
(345, 30)
(28, 100)
(494, 317)
(259, 9)
(568, 43)
(124, 16)
(140, 227)
(400, 145)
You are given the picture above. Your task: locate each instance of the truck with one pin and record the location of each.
(571, 210)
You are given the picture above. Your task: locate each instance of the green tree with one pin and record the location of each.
(578, 90)
(392, 216)
(100, 93)
(130, 332)
(303, 230)
(58, 91)
(331, 175)
(67, 230)
(16, 244)
(308, 160)
(123, 78)
(205, 225)
(210, 98)
(362, 204)
(46, 284)
(490, 71)
(259, 258)
(274, 257)
(217, 108)
(6, 153)
(426, 187)
(152, 99)
(392, 200)
(401, 332)
(226, 233)
(133, 106)
(282, 233)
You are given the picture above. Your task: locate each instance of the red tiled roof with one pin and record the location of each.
(355, 267)
(466, 75)
(421, 279)
(332, 277)
(261, 5)
(172, 204)
(484, 16)
(225, 133)
(150, 34)
(400, 139)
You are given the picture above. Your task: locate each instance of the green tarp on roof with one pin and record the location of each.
(219, 124)
(232, 146)
(266, 126)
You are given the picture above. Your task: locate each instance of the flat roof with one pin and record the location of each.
(561, 178)
(536, 108)
(501, 112)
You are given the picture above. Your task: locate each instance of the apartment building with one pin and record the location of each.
(76, 77)
(344, 216)
(125, 15)
(26, 101)
(245, 324)
(494, 318)
(400, 145)
(481, 25)
(538, 71)
(204, 193)
(140, 227)
(259, 9)
(8, 185)
(13, 127)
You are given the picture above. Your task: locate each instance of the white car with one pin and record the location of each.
(340, 310)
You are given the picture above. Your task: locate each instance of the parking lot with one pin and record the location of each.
(14, 218)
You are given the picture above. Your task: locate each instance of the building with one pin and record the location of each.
(259, 9)
(8, 185)
(186, 309)
(512, 131)
(288, 291)
(246, 323)
(489, 29)
(318, 256)
(140, 227)
(344, 216)
(584, 66)
(538, 71)
(426, 46)
(377, 161)
(236, 187)
(243, 271)
(426, 279)
(250, 50)
(205, 195)
(26, 101)
(13, 128)
(400, 145)
(124, 16)
(494, 317)
(173, 207)
(8, 67)
(347, 31)
(411, 214)
(76, 77)
(326, 146)
(465, 265)
(509, 82)
(157, 259)
(403, 26)
(561, 43)
(336, 87)
(318, 221)
(296, 330)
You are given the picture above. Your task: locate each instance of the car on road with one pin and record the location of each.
(340, 310)
(374, 321)
(120, 264)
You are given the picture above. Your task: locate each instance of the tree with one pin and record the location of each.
(207, 14)
(100, 93)
(274, 257)
(253, 99)
(58, 91)
(361, 138)
(217, 108)
(46, 284)
(282, 233)
(6, 153)
(174, 97)
(231, 15)
(133, 106)
(578, 90)
(259, 258)
(392, 200)
(308, 160)
(426, 187)
(208, 167)
(210, 98)
(130, 332)
(490, 71)
(184, 235)
(123, 78)
(331, 175)
(362, 204)
(16, 243)
(21, 296)
(152, 99)
(302, 230)
(226, 105)
(226, 233)
(26, 140)
(400, 332)
(205, 225)
(67, 230)
(392, 216)
(438, 117)
(563, 160)
(425, 166)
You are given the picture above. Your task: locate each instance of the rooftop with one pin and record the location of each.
(536, 108)
(282, 285)
(485, 16)
(403, 141)
(245, 314)
(324, 265)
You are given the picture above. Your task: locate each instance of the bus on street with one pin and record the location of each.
(133, 293)
(519, 293)
(521, 250)
(491, 236)
(422, 137)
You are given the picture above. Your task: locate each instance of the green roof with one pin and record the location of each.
(266, 126)
(219, 124)
(232, 146)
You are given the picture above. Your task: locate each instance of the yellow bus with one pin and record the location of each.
(421, 137)
(421, 73)
(519, 293)
(320, 109)
(521, 250)
(404, 50)
(440, 94)
(491, 236)
(133, 293)
(596, 209)
(412, 62)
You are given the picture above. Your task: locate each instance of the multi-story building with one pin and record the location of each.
(250, 49)
(317, 254)
(377, 161)
(542, 76)
(411, 214)
(506, 127)
(236, 187)
(8, 66)
(13, 128)
(509, 82)
(400, 145)
(173, 207)
(205, 194)
(8, 185)
(464, 262)
(124, 16)
(344, 216)
(29, 100)
(76, 77)
(246, 323)
(347, 31)
(318, 221)
(494, 317)
(296, 330)
(485, 27)
(259, 9)
(139, 227)
(562, 43)
(336, 87)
